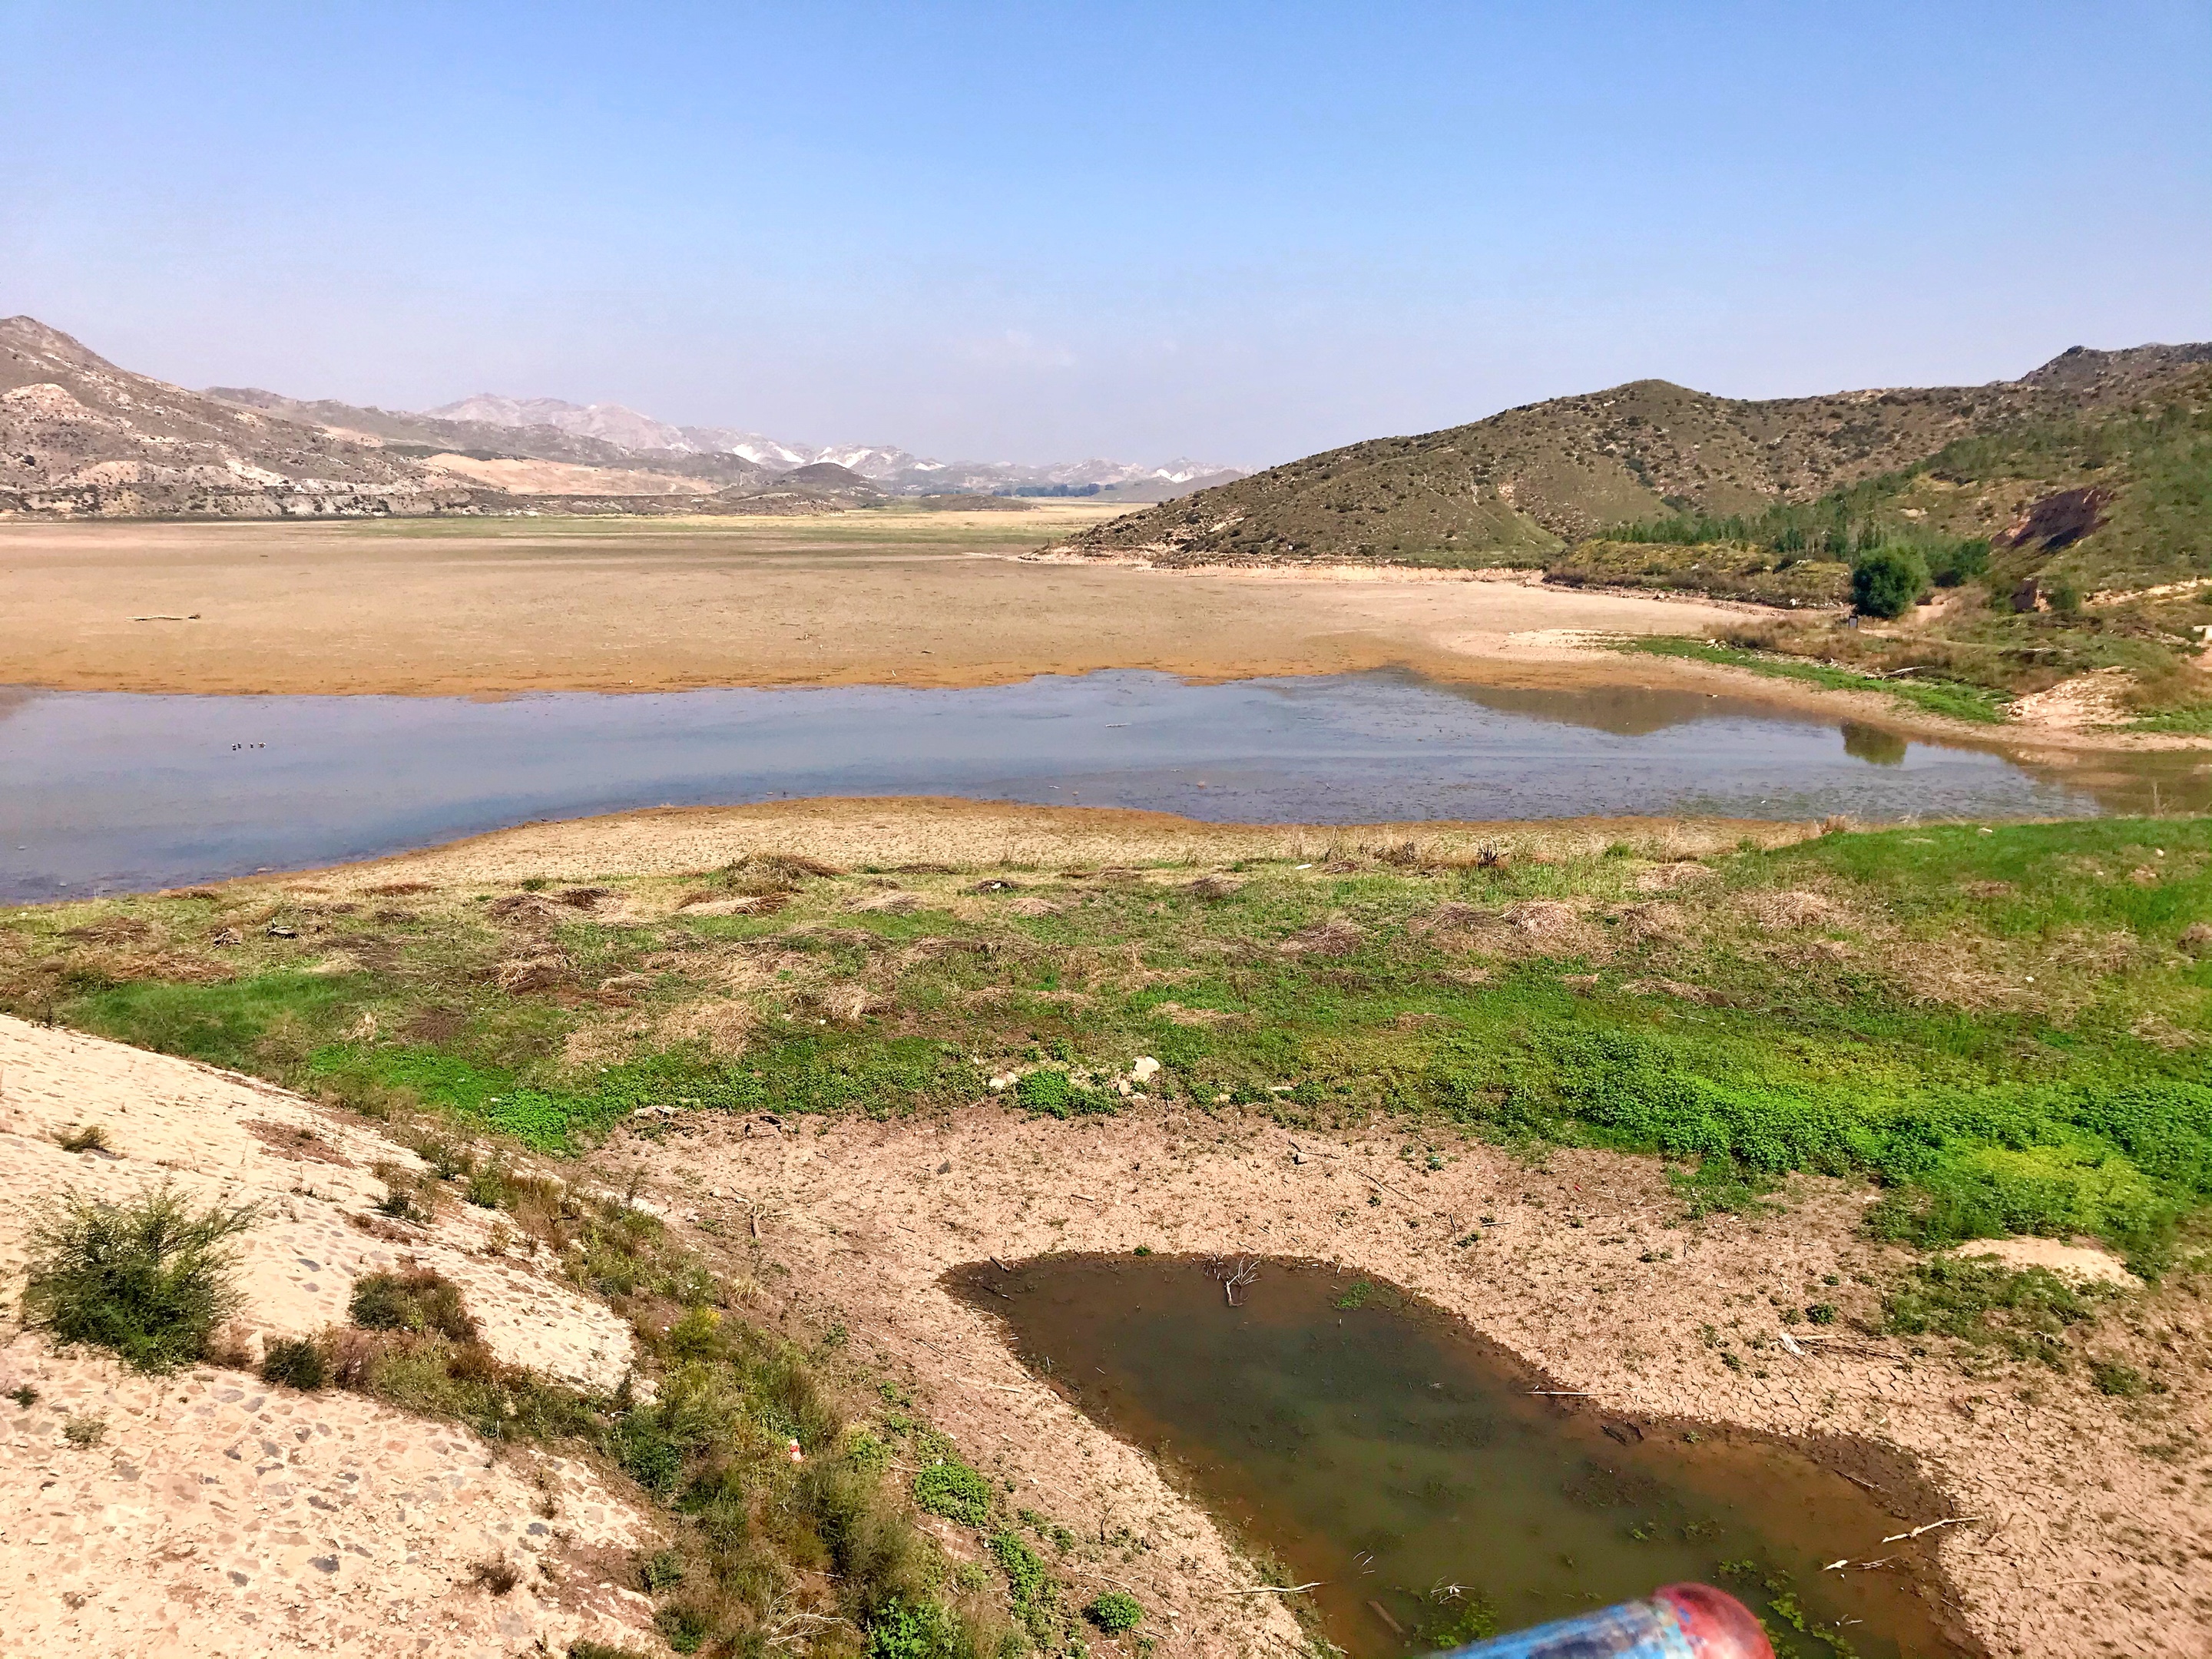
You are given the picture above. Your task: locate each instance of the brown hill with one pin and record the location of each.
(79, 436)
(1517, 487)
(427, 437)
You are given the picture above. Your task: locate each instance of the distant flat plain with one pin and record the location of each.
(461, 606)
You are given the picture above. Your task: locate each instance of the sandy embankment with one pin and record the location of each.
(220, 1517)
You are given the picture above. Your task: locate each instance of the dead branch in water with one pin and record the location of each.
(1947, 1520)
(1234, 1276)
(1277, 1589)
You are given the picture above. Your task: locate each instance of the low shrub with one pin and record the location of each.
(417, 1301)
(295, 1362)
(149, 1279)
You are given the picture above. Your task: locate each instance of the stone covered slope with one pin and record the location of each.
(1521, 484)
(78, 435)
(219, 1516)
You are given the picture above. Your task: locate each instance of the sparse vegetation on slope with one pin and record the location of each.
(2003, 1029)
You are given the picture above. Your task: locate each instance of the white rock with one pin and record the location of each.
(1141, 1069)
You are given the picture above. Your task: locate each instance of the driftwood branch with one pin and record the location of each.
(1947, 1520)
(1277, 1589)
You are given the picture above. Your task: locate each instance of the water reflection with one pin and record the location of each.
(122, 790)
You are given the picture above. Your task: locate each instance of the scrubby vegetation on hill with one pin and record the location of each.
(2065, 520)
(2003, 1031)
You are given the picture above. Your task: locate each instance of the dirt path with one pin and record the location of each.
(2087, 1539)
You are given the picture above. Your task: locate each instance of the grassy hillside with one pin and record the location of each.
(1517, 487)
(1998, 1031)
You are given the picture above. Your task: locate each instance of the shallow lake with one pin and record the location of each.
(1373, 1444)
(112, 791)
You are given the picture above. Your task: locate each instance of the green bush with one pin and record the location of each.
(419, 1301)
(1886, 580)
(150, 1278)
(295, 1362)
(953, 1489)
(1957, 562)
(1115, 1611)
(1057, 1095)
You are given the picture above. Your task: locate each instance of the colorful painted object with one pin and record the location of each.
(1677, 1621)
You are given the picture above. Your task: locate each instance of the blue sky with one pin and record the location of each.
(1240, 231)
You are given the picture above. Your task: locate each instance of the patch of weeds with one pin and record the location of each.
(1114, 1612)
(25, 1397)
(952, 1489)
(88, 1137)
(1355, 1295)
(149, 1279)
(1056, 1094)
(1472, 1619)
(418, 1301)
(2113, 1378)
(85, 1432)
(1821, 1313)
(1024, 1568)
(663, 1570)
(295, 1362)
(500, 1577)
(2027, 1311)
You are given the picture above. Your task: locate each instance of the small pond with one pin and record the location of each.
(116, 790)
(1371, 1442)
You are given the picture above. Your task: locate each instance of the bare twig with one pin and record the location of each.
(1947, 1520)
(1277, 1589)
(1386, 1186)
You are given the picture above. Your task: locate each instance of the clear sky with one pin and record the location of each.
(1241, 232)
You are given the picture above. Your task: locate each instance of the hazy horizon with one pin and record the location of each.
(992, 232)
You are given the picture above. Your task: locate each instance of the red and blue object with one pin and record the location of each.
(1677, 1621)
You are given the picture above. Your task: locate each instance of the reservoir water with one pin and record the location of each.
(110, 791)
(1382, 1452)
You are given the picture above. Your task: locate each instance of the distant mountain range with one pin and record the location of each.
(80, 435)
(548, 428)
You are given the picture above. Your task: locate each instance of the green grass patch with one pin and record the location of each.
(1951, 698)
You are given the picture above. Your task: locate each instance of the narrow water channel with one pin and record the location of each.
(110, 791)
(1369, 1442)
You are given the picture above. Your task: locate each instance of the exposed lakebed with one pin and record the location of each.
(114, 791)
(1376, 1444)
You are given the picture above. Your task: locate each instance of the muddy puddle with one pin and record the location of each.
(1368, 1441)
(116, 790)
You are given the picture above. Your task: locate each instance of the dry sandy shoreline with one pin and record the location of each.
(499, 607)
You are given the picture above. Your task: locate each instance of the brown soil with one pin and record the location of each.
(2084, 1538)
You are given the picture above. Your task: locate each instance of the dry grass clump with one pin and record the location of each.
(1671, 877)
(1795, 908)
(1334, 938)
(86, 1138)
(1654, 922)
(1547, 924)
(399, 888)
(1213, 887)
(539, 973)
(775, 872)
(724, 1025)
(113, 930)
(527, 910)
(897, 903)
